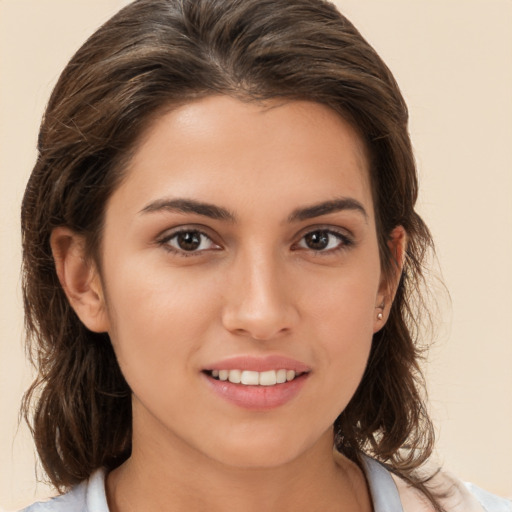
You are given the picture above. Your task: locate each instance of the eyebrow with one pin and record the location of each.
(219, 213)
(189, 206)
(326, 207)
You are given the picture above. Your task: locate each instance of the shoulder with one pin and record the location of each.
(390, 492)
(72, 501)
(490, 502)
(454, 496)
(88, 496)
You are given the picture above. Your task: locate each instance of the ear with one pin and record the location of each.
(397, 245)
(79, 278)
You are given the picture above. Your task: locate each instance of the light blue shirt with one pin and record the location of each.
(89, 496)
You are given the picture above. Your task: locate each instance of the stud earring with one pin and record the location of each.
(379, 316)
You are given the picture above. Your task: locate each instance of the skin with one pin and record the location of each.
(253, 287)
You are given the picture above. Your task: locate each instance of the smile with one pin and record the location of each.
(257, 382)
(253, 378)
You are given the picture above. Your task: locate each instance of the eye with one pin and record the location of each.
(324, 240)
(188, 241)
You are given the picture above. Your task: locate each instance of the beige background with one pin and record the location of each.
(453, 60)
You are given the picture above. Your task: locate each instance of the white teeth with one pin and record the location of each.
(281, 376)
(250, 378)
(268, 378)
(235, 376)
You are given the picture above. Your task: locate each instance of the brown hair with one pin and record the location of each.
(156, 53)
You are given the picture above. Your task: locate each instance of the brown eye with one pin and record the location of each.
(317, 240)
(324, 240)
(189, 241)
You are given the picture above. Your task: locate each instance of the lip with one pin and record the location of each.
(260, 364)
(259, 398)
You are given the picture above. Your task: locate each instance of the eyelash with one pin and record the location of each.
(165, 242)
(345, 242)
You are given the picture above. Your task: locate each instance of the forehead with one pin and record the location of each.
(222, 147)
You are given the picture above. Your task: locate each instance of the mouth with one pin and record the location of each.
(256, 390)
(257, 382)
(253, 378)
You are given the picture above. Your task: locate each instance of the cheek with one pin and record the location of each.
(156, 324)
(342, 314)
(345, 334)
(344, 300)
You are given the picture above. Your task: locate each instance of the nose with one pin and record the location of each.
(259, 302)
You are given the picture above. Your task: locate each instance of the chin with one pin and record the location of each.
(260, 451)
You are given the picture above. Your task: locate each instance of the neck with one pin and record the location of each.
(182, 479)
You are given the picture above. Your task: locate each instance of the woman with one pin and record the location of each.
(221, 258)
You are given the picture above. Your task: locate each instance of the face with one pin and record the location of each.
(242, 245)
